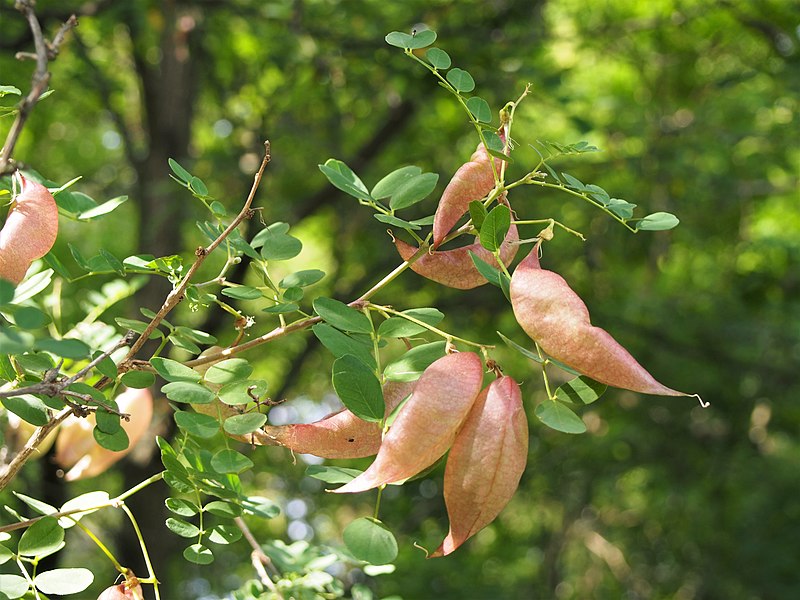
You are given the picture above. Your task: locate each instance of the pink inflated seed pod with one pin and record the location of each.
(29, 232)
(77, 450)
(555, 317)
(455, 268)
(340, 435)
(473, 181)
(486, 462)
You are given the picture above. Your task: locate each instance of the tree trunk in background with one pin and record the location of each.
(168, 96)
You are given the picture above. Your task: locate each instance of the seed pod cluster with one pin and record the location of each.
(29, 231)
(427, 424)
(455, 268)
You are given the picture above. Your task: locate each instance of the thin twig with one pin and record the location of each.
(45, 51)
(259, 558)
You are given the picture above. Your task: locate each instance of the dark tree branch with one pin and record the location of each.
(45, 52)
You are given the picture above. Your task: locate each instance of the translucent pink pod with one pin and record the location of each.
(29, 232)
(486, 462)
(473, 181)
(555, 317)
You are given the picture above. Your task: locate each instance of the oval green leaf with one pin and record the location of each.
(198, 554)
(340, 344)
(138, 379)
(369, 540)
(182, 528)
(227, 371)
(342, 177)
(13, 586)
(358, 388)
(414, 190)
(581, 390)
(242, 392)
(438, 58)
(28, 408)
(495, 227)
(557, 416)
(116, 442)
(660, 221)
(196, 424)
(461, 80)
(242, 292)
(230, 461)
(188, 392)
(301, 278)
(342, 316)
(172, 370)
(64, 582)
(41, 538)
(480, 109)
(393, 181)
(244, 424)
(410, 365)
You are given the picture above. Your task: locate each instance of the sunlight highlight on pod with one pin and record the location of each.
(76, 448)
(485, 463)
(472, 181)
(426, 426)
(455, 268)
(555, 317)
(30, 230)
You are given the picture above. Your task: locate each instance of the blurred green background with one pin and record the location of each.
(695, 106)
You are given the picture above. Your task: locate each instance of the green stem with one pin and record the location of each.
(591, 201)
(378, 502)
(577, 234)
(102, 547)
(151, 576)
(431, 328)
(545, 362)
(375, 339)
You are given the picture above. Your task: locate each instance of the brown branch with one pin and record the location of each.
(177, 294)
(259, 558)
(10, 470)
(45, 51)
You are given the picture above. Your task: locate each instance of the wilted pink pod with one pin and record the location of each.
(454, 268)
(76, 448)
(340, 435)
(553, 315)
(472, 181)
(425, 427)
(29, 231)
(485, 463)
